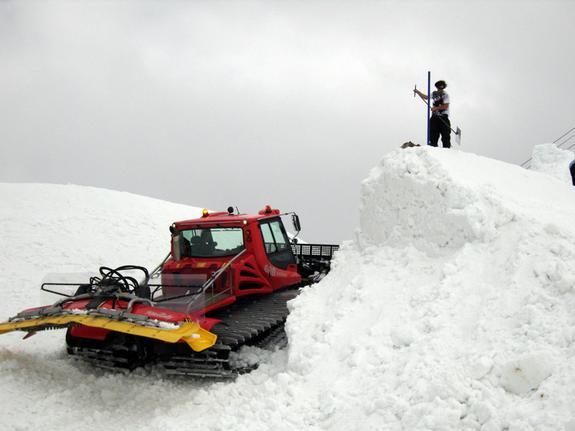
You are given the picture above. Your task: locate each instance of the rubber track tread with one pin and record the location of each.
(255, 320)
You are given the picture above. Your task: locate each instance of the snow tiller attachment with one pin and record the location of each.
(116, 302)
(225, 284)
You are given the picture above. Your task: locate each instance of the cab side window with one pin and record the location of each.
(269, 242)
(276, 243)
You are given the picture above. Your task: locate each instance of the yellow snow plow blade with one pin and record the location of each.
(191, 332)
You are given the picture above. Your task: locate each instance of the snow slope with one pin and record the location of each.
(452, 309)
(66, 228)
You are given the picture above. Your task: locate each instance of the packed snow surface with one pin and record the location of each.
(452, 309)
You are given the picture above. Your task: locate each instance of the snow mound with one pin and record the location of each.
(554, 161)
(453, 309)
(439, 203)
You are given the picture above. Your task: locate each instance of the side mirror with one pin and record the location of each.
(296, 223)
(176, 248)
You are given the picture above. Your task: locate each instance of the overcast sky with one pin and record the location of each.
(212, 103)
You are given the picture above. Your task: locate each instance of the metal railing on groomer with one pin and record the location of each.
(216, 287)
(314, 250)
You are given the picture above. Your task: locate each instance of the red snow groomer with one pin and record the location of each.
(225, 284)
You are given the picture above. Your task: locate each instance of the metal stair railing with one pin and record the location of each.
(564, 138)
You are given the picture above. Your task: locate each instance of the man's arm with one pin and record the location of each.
(420, 94)
(440, 107)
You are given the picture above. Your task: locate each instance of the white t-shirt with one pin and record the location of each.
(440, 98)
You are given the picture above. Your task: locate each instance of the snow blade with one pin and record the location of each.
(190, 332)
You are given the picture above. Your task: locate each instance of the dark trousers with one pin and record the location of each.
(572, 170)
(440, 126)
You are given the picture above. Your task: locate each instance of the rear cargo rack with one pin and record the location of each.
(313, 260)
(314, 250)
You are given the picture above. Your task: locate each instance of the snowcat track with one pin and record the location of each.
(252, 321)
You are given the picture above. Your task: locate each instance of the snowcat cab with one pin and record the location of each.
(257, 246)
(225, 284)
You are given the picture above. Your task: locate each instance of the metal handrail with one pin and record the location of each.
(132, 299)
(215, 276)
(564, 134)
(527, 163)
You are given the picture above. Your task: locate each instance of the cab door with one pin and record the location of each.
(282, 266)
(276, 243)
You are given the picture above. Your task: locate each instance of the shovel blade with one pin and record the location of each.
(458, 136)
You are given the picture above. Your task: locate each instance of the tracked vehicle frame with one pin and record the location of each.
(224, 285)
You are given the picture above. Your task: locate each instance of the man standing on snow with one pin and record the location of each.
(439, 123)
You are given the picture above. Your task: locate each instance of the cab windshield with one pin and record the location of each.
(211, 242)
